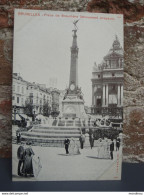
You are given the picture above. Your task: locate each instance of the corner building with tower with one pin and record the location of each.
(107, 83)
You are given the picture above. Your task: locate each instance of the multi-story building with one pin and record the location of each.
(19, 93)
(30, 98)
(107, 83)
(55, 101)
(61, 98)
(39, 99)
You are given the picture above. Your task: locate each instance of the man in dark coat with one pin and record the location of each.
(111, 150)
(66, 143)
(117, 144)
(21, 157)
(91, 140)
(82, 140)
(18, 137)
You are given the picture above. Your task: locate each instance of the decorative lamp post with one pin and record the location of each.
(15, 115)
(33, 114)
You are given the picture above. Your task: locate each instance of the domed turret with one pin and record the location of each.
(116, 43)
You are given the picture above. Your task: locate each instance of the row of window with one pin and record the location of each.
(18, 89)
(22, 100)
(117, 62)
(40, 102)
(99, 76)
(44, 96)
(17, 99)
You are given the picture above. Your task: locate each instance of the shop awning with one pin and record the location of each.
(26, 117)
(16, 117)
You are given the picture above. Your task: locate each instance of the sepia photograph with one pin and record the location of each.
(67, 96)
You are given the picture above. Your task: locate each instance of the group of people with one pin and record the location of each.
(71, 146)
(82, 140)
(106, 148)
(24, 155)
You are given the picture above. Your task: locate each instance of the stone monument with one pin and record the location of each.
(73, 103)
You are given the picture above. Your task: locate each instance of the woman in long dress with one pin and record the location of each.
(36, 165)
(101, 148)
(73, 147)
(106, 149)
(28, 168)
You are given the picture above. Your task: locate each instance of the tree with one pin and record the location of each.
(46, 109)
(29, 108)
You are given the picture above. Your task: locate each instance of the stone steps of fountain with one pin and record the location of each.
(55, 128)
(51, 135)
(47, 142)
(48, 139)
(55, 131)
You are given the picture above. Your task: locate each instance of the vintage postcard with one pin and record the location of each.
(67, 100)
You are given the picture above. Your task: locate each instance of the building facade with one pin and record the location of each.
(55, 101)
(30, 98)
(39, 99)
(19, 93)
(61, 98)
(107, 83)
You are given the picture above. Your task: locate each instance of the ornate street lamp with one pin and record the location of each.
(33, 114)
(15, 114)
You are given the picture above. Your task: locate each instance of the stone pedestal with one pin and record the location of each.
(73, 107)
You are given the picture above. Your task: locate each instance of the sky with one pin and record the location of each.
(42, 45)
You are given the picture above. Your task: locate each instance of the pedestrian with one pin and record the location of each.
(106, 148)
(18, 138)
(82, 140)
(119, 139)
(73, 147)
(21, 157)
(91, 140)
(28, 167)
(36, 165)
(100, 149)
(111, 149)
(66, 143)
(117, 144)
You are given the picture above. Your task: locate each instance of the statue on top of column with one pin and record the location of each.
(75, 25)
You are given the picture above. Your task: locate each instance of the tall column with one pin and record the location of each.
(107, 95)
(103, 103)
(94, 101)
(74, 61)
(92, 95)
(118, 96)
(121, 95)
